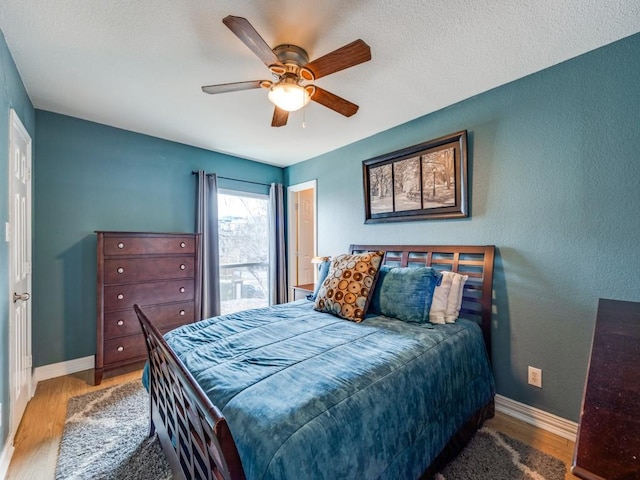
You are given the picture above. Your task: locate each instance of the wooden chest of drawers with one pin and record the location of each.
(159, 272)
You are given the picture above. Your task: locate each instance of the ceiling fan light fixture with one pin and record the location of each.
(289, 96)
(290, 70)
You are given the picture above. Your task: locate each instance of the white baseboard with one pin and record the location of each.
(63, 368)
(5, 457)
(539, 418)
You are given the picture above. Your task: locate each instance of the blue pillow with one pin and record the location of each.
(323, 271)
(405, 293)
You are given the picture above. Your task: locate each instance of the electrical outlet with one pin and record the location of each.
(535, 377)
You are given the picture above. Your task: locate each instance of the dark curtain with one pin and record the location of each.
(277, 253)
(207, 227)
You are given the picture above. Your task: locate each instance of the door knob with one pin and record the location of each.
(20, 296)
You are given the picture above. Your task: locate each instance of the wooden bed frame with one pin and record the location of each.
(195, 435)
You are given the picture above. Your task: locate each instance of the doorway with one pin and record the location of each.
(19, 237)
(302, 238)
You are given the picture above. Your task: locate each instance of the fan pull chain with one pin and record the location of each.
(304, 121)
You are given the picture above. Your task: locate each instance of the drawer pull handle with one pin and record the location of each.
(182, 244)
(120, 245)
(183, 266)
(120, 322)
(120, 270)
(181, 289)
(120, 348)
(120, 296)
(182, 313)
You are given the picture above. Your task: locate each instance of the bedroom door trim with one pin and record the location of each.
(293, 215)
(19, 236)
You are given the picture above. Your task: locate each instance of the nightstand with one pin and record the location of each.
(301, 291)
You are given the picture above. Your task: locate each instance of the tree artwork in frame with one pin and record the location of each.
(422, 182)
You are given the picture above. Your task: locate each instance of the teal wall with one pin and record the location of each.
(12, 95)
(92, 177)
(554, 184)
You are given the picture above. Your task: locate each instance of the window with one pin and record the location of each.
(243, 231)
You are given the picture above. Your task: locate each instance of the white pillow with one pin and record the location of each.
(454, 300)
(440, 297)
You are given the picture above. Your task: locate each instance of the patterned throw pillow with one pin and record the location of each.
(347, 289)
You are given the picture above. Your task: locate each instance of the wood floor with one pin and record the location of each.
(39, 434)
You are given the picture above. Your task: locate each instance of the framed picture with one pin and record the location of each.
(422, 182)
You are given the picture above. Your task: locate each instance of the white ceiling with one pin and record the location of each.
(139, 64)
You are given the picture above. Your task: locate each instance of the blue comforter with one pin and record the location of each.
(308, 395)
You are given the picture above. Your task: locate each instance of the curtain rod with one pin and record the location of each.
(193, 172)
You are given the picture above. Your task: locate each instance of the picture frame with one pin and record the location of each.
(422, 182)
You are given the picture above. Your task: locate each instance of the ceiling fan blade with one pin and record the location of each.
(334, 102)
(231, 87)
(347, 56)
(251, 38)
(280, 117)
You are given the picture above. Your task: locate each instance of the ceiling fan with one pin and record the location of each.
(291, 69)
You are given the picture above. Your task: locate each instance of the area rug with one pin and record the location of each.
(105, 437)
(496, 456)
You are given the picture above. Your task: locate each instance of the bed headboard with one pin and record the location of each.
(473, 260)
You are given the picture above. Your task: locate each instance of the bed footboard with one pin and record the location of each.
(194, 435)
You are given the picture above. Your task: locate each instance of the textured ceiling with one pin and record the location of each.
(139, 65)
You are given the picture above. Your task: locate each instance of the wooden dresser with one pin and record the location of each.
(608, 444)
(159, 272)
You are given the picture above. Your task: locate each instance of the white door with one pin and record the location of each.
(306, 236)
(19, 236)
(302, 221)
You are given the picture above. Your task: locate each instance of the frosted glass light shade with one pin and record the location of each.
(288, 96)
